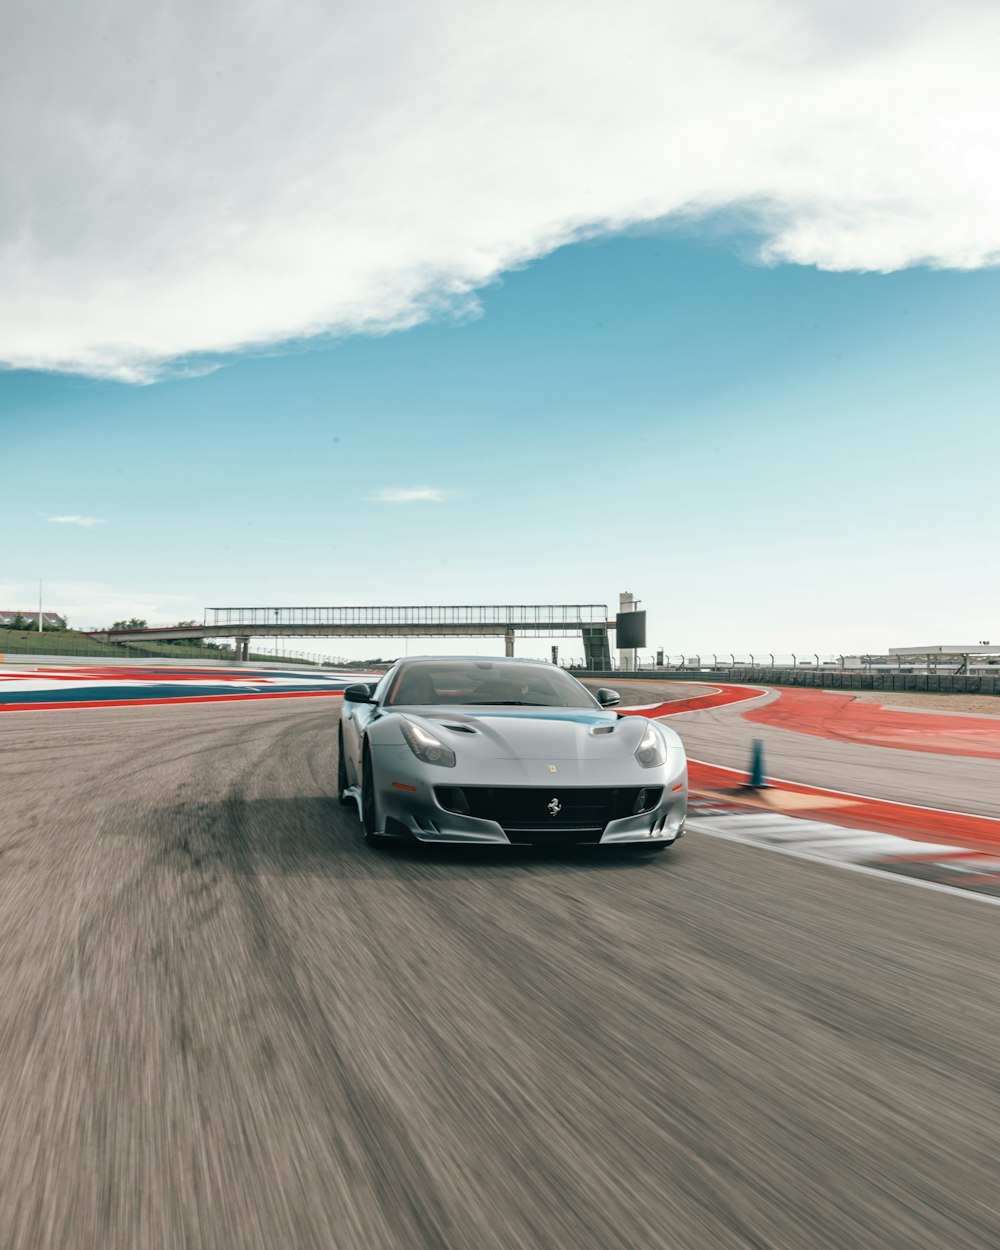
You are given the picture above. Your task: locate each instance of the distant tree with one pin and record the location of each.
(185, 642)
(134, 623)
(19, 622)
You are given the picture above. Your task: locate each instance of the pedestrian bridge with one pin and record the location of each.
(507, 621)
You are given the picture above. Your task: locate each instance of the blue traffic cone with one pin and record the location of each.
(756, 779)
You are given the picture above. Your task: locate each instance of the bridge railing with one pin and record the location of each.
(508, 615)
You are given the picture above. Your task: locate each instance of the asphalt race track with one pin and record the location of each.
(225, 1023)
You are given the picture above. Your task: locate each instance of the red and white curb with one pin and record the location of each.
(936, 866)
(968, 867)
(72, 688)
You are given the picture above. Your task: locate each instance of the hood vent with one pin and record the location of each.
(602, 729)
(459, 729)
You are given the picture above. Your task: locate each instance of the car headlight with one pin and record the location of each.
(428, 748)
(652, 750)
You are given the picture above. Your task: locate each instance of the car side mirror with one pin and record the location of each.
(357, 694)
(608, 698)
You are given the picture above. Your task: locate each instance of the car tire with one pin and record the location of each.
(345, 800)
(369, 814)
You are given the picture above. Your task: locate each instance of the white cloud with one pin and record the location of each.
(187, 180)
(87, 522)
(95, 605)
(409, 494)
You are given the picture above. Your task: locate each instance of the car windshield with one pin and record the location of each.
(486, 682)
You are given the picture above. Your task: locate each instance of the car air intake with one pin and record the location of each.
(539, 813)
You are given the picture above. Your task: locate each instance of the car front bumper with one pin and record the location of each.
(408, 807)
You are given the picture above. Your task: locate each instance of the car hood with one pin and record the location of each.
(533, 733)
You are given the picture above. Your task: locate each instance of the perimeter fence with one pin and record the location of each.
(928, 683)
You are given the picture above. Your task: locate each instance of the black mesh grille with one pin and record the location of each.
(534, 814)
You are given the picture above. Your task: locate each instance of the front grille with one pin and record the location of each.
(536, 814)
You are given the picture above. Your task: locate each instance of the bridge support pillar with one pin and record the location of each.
(242, 650)
(509, 643)
(596, 648)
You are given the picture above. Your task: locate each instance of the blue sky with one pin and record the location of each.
(771, 457)
(698, 302)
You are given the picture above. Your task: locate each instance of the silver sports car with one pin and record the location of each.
(508, 752)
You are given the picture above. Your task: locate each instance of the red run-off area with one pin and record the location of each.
(829, 714)
(842, 718)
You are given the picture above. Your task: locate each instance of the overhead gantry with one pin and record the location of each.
(507, 621)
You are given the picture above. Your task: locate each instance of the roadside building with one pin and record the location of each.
(50, 620)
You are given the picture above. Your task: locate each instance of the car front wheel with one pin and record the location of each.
(345, 800)
(369, 811)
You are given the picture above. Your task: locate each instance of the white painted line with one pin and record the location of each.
(778, 819)
(750, 701)
(868, 871)
(858, 850)
(645, 707)
(707, 693)
(834, 839)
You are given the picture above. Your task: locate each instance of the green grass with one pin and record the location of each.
(51, 642)
(71, 642)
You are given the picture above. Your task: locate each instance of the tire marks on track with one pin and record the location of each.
(226, 1023)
